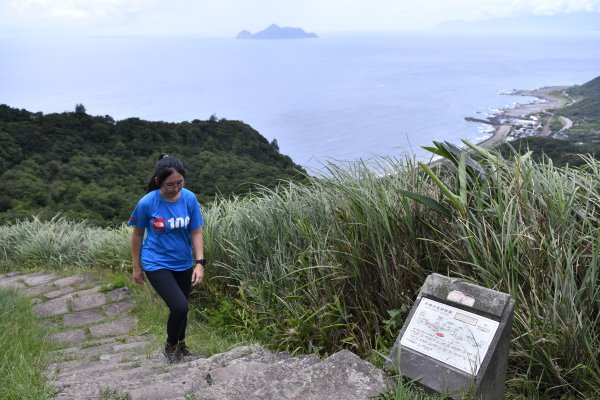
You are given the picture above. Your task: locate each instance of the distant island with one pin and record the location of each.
(276, 32)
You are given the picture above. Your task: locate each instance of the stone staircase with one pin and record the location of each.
(100, 360)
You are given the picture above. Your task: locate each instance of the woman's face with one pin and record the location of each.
(172, 185)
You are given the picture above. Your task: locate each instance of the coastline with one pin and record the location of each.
(505, 120)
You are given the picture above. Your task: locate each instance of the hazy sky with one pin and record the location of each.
(228, 17)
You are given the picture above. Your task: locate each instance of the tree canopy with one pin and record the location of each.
(96, 168)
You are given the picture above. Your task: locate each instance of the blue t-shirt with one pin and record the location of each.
(167, 243)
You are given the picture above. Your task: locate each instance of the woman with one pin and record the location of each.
(169, 216)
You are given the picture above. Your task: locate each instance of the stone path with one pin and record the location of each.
(101, 360)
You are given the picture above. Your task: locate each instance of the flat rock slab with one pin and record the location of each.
(39, 289)
(342, 376)
(39, 278)
(12, 284)
(58, 293)
(11, 280)
(10, 275)
(239, 388)
(114, 328)
(114, 309)
(69, 280)
(52, 307)
(118, 294)
(117, 348)
(85, 292)
(86, 302)
(236, 369)
(71, 337)
(82, 318)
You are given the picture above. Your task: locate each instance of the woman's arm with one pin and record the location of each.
(198, 245)
(136, 252)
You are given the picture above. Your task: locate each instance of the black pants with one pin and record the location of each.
(174, 287)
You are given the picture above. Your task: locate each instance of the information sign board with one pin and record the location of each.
(450, 335)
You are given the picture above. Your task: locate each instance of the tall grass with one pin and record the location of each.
(336, 262)
(24, 351)
(63, 243)
(532, 230)
(319, 266)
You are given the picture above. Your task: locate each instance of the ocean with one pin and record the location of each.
(336, 98)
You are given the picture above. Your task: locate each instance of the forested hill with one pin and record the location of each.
(591, 88)
(95, 168)
(586, 108)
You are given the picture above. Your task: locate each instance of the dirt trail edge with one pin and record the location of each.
(101, 360)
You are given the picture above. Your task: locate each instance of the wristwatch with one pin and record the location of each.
(201, 261)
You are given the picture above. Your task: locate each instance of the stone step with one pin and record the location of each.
(93, 366)
(253, 378)
(342, 376)
(187, 379)
(93, 348)
(103, 361)
(143, 378)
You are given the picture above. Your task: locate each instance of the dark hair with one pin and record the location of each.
(164, 167)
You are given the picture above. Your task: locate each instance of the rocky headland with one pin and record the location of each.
(525, 119)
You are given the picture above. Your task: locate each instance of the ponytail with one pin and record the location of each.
(165, 166)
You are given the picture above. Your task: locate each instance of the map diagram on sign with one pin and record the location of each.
(450, 335)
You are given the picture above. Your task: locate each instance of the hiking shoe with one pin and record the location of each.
(182, 350)
(170, 351)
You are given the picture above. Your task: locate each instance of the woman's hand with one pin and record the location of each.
(198, 274)
(136, 249)
(138, 275)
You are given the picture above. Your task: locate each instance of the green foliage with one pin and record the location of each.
(322, 266)
(398, 389)
(587, 89)
(530, 231)
(337, 262)
(587, 109)
(62, 243)
(118, 281)
(317, 266)
(561, 152)
(24, 351)
(93, 168)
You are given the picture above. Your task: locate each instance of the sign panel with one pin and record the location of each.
(451, 335)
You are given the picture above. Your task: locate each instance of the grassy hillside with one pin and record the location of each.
(95, 168)
(586, 110)
(587, 89)
(338, 261)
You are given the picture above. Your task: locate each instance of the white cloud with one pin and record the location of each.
(62, 13)
(226, 17)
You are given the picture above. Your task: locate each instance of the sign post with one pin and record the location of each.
(456, 339)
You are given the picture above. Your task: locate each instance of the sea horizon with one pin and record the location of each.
(332, 98)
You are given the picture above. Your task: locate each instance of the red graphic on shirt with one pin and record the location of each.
(439, 334)
(132, 219)
(159, 224)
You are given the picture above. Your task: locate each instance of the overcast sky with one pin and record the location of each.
(227, 17)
